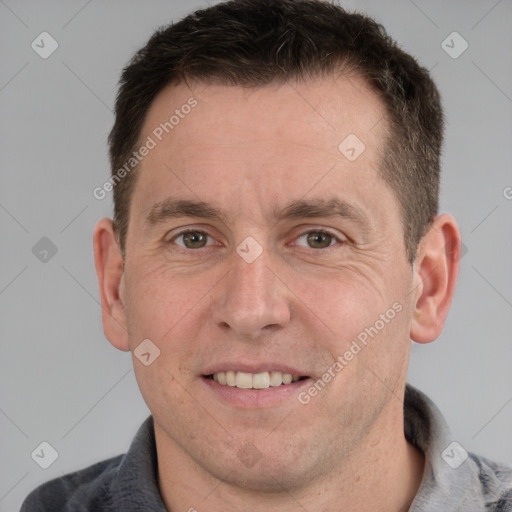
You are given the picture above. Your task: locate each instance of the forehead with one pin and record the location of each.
(319, 111)
(216, 142)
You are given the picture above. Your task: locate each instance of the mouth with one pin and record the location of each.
(259, 381)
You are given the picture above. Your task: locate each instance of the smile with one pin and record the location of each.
(246, 380)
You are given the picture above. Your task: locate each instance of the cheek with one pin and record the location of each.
(165, 392)
(160, 301)
(342, 302)
(362, 320)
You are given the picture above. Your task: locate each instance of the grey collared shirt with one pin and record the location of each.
(453, 481)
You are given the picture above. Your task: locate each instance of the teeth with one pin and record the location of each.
(261, 380)
(287, 378)
(245, 380)
(276, 378)
(230, 378)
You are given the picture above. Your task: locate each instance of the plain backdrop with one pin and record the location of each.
(60, 380)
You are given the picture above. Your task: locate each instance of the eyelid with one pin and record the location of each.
(338, 238)
(311, 229)
(172, 239)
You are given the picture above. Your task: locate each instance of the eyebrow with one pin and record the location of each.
(324, 208)
(175, 208)
(171, 208)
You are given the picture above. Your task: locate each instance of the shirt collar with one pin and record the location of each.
(450, 477)
(136, 486)
(450, 480)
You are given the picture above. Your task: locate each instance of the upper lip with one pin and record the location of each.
(253, 367)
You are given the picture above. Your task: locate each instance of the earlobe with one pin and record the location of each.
(435, 276)
(110, 272)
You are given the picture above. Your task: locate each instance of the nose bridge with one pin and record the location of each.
(250, 281)
(252, 297)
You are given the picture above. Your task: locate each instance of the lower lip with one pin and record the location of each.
(253, 398)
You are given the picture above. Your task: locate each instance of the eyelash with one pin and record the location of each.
(323, 232)
(318, 231)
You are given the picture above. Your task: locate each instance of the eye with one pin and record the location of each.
(318, 239)
(192, 239)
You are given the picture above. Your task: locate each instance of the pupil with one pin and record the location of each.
(319, 240)
(194, 239)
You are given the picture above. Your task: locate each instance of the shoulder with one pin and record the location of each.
(496, 483)
(453, 480)
(84, 490)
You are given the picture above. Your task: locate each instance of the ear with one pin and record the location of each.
(109, 269)
(435, 275)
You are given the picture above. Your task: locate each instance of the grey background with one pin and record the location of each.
(61, 381)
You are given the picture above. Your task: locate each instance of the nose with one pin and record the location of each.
(252, 299)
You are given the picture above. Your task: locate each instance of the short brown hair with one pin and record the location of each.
(257, 42)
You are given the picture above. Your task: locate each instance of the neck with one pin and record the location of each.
(382, 474)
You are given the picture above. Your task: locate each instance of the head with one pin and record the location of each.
(283, 218)
(252, 44)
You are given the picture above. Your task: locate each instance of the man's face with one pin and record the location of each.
(325, 260)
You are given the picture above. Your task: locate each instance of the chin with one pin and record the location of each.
(269, 469)
(266, 479)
